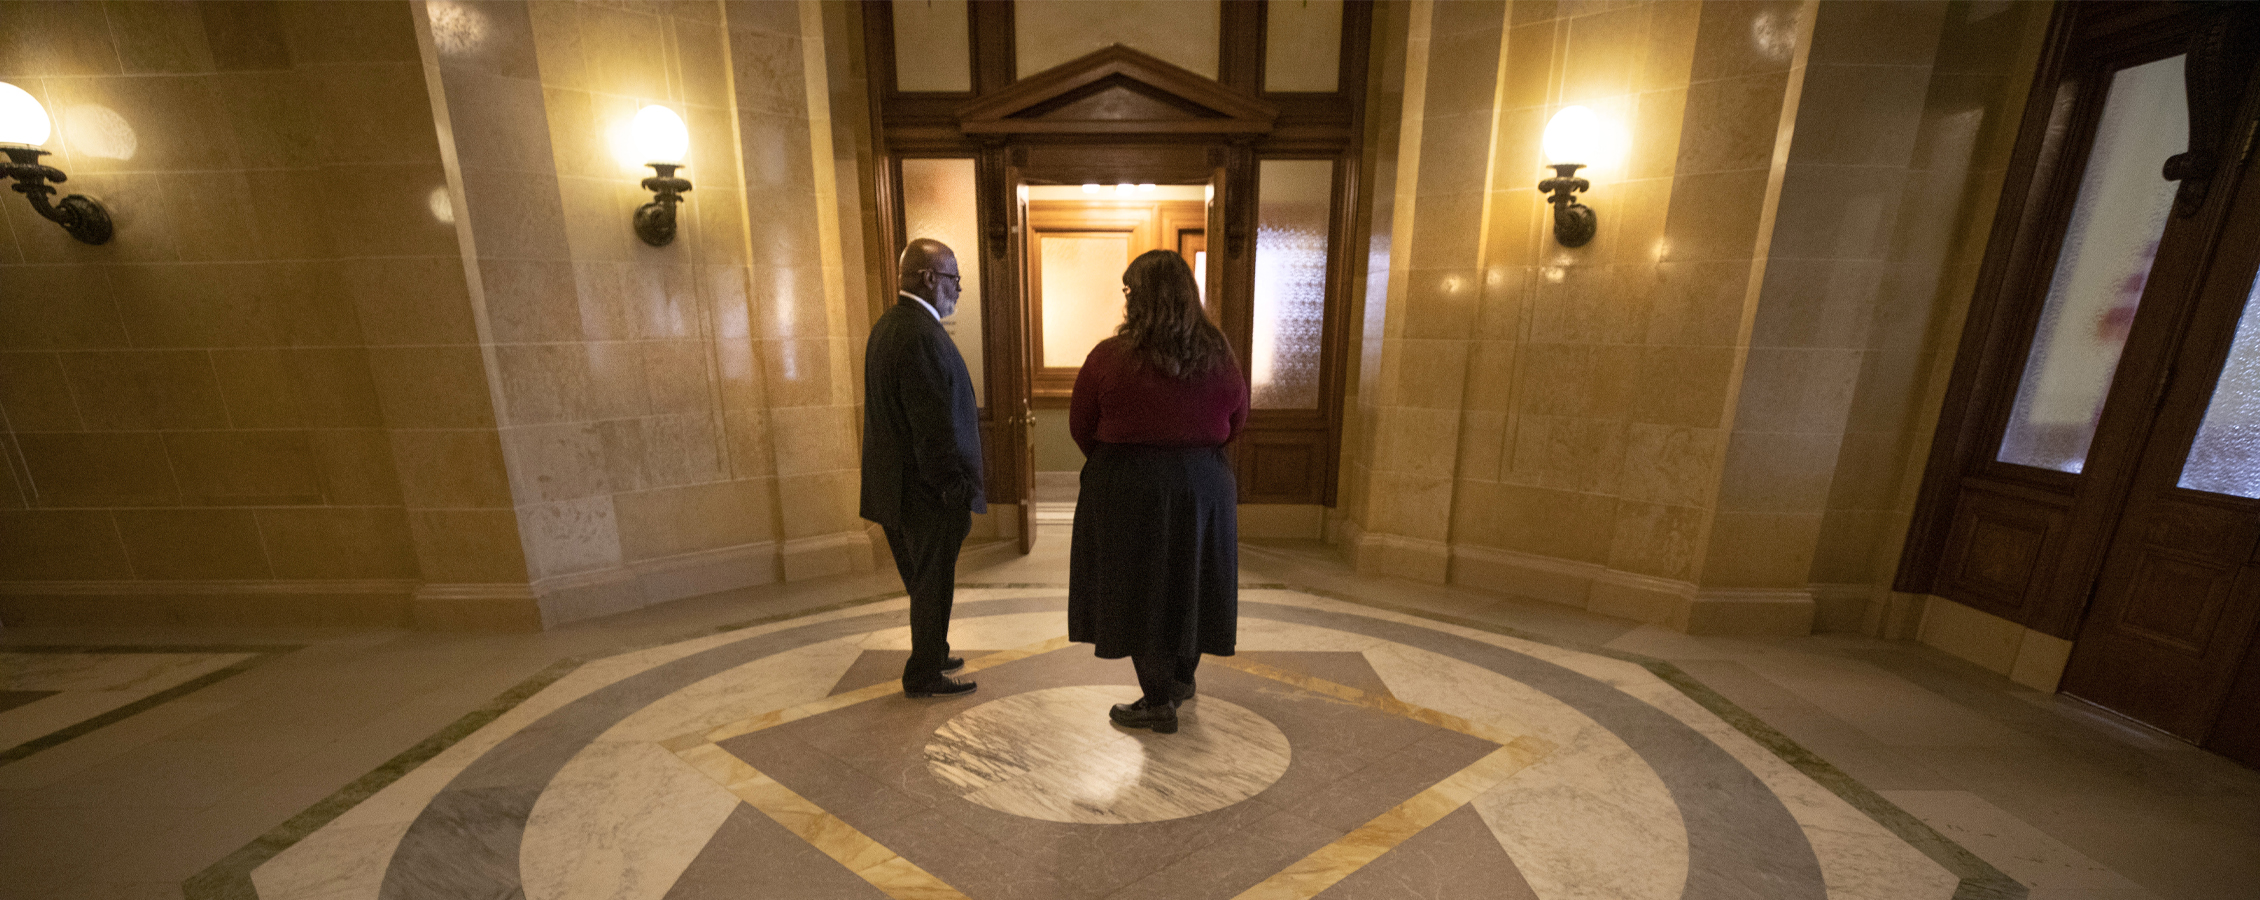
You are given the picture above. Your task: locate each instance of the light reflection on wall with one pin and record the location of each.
(441, 205)
(458, 28)
(99, 131)
(1774, 35)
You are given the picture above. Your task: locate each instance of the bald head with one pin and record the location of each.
(928, 269)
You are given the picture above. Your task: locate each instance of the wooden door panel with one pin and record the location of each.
(2000, 545)
(2174, 599)
(1281, 466)
(2130, 658)
(2236, 729)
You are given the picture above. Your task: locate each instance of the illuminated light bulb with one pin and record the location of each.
(1125, 188)
(1090, 189)
(1145, 188)
(1574, 136)
(660, 136)
(22, 120)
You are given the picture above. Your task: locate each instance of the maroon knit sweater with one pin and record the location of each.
(1119, 400)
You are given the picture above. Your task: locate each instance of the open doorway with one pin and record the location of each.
(1079, 240)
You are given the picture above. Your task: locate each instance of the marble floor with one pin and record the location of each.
(1374, 739)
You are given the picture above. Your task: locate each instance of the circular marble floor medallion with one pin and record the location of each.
(1053, 755)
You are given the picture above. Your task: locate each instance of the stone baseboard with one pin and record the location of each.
(1839, 608)
(380, 603)
(590, 595)
(475, 607)
(1587, 586)
(843, 553)
(1678, 605)
(2030, 658)
(1403, 557)
(1786, 613)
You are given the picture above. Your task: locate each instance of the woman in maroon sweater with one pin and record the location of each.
(1154, 572)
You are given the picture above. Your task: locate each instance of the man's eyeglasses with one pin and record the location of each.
(952, 276)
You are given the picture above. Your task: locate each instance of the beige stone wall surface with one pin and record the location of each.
(375, 341)
(230, 411)
(1713, 413)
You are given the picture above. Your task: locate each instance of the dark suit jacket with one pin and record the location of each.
(921, 431)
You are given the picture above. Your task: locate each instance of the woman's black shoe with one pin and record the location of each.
(1162, 718)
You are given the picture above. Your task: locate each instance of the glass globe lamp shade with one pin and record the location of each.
(660, 137)
(23, 121)
(1575, 135)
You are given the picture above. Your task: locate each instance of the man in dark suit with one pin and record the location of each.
(922, 454)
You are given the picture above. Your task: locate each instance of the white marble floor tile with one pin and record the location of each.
(2049, 866)
(91, 684)
(1053, 755)
(337, 862)
(621, 821)
(1859, 857)
(798, 676)
(1591, 821)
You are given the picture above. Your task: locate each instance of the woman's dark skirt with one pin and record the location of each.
(1155, 567)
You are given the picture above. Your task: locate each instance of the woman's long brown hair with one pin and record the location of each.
(1163, 319)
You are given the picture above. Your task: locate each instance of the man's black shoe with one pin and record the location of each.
(952, 664)
(938, 686)
(1161, 717)
(1179, 692)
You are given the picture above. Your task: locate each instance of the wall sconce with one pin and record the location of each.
(661, 141)
(1573, 141)
(24, 126)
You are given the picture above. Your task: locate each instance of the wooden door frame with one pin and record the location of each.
(1964, 487)
(997, 123)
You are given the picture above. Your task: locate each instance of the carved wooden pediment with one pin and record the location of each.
(1116, 90)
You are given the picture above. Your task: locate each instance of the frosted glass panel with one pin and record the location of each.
(933, 50)
(937, 202)
(1294, 196)
(1082, 293)
(1302, 45)
(2226, 457)
(1181, 32)
(2108, 249)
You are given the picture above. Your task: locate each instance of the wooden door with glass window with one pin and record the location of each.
(2060, 493)
(2175, 608)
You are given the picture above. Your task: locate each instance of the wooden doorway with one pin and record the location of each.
(1271, 127)
(2059, 493)
(1079, 243)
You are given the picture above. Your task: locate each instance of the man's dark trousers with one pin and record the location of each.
(925, 546)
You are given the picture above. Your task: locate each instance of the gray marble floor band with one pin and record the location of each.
(1742, 840)
(465, 843)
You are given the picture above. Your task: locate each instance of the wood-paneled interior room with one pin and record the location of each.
(1696, 448)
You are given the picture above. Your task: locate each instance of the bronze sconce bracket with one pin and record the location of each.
(82, 216)
(655, 221)
(1574, 222)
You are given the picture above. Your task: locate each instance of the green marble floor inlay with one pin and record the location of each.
(255, 655)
